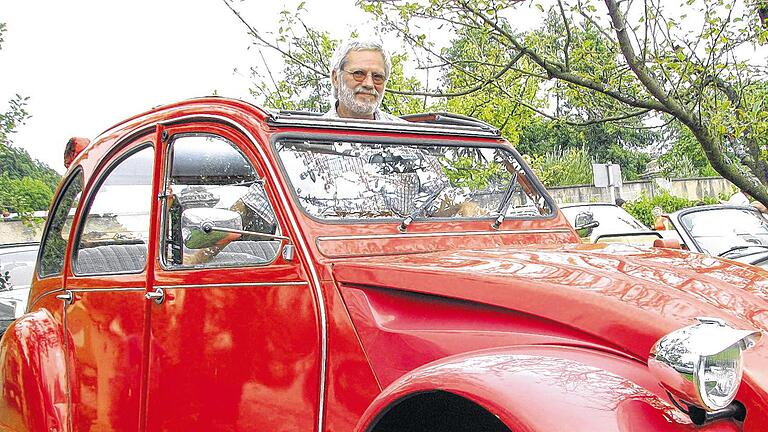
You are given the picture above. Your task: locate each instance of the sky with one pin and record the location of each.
(87, 64)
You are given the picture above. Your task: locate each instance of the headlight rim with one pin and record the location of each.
(677, 359)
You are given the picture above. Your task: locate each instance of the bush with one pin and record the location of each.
(562, 168)
(24, 196)
(642, 207)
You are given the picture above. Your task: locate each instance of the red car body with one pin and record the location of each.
(450, 325)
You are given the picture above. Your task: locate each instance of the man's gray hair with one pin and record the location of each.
(339, 59)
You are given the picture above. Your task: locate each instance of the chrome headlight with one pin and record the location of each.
(702, 364)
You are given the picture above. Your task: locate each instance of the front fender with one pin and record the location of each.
(33, 386)
(547, 388)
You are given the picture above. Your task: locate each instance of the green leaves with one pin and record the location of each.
(15, 116)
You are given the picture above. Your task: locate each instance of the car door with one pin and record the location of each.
(234, 337)
(104, 299)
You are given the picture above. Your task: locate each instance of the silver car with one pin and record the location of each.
(727, 231)
(17, 266)
(604, 222)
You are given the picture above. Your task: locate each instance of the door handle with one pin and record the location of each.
(158, 295)
(67, 297)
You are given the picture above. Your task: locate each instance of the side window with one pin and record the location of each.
(217, 213)
(114, 235)
(54, 245)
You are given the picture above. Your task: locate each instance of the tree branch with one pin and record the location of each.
(275, 47)
(555, 70)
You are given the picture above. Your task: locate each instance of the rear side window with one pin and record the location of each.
(57, 236)
(115, 231)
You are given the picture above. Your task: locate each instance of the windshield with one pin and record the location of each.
(339, 180)
(716, 231)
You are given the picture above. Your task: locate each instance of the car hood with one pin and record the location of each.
(625, 295)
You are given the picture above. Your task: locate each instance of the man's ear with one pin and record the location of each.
(335, 78)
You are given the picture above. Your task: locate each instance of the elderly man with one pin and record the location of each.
(359, 73)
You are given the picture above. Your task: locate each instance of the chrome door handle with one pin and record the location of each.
(157, 295)
(67, 297)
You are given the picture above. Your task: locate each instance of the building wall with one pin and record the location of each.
(692, 189)
(16, 231)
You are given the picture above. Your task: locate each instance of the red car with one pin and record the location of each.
(214, 266)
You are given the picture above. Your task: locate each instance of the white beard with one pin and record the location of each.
(347, 98)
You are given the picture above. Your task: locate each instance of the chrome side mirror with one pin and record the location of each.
(584, 224)
(197, 224)
(207, 227)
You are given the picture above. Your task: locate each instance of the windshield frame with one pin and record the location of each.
(677, 220)
(409, 140)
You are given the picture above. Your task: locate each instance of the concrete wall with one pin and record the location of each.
(692, 189)
(16, 231)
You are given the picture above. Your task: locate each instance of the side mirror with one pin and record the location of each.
(584, 224)
(197, 224)
(204, 227)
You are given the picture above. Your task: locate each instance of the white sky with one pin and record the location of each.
(87, 64)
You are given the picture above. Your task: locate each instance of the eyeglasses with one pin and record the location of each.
(360, 75)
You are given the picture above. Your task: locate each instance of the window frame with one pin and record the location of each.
(105, 171)
(232, 138)
(77, 172)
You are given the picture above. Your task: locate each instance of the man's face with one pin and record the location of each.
(360, 98)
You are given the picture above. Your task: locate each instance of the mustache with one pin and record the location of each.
(360, 90)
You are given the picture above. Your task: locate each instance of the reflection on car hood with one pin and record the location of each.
(628, 296)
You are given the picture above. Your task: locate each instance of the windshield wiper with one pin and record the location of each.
(741, 247)
(505, 203)
(408, 219)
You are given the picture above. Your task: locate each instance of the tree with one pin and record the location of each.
(685, 67)
(633, 64)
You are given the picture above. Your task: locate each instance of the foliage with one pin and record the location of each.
(562, 168)
(642, 207)
(603, 142)
(619, 62)
(685, 157)
(474, 173)
(497, 104)
(15, 116)
(16, 163)
(24, 195)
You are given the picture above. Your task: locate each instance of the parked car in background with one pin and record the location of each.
(728, 231)
(614, 224)
(17, 265)
(212, 265)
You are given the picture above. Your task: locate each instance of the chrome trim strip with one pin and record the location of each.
(41, 295)
(82, 290)
(141, 288)
(377, 126)
(441, 234)
(300, 240)
(232, 285)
